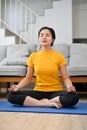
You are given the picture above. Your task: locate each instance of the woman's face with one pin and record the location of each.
(45, 37)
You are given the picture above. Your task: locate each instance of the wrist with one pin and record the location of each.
(17, 87)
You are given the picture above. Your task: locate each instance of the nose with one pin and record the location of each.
(44, 36)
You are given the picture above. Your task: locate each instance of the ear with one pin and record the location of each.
(53, 40)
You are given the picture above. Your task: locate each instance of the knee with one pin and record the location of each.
(16, 98)
(73, 99)
(70, 100)
(10, 97)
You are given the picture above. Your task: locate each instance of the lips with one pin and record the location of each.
(43, 41)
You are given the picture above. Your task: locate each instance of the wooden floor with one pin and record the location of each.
(39, 121)
(34, 121)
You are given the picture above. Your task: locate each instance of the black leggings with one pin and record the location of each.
(67, 99)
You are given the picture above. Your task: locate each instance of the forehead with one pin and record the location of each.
(45, 31)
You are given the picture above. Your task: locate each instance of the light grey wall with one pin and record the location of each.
(0, 12)
(80, 19)
(59, 18)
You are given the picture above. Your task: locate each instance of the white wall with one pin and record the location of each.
(60, 19)
(0, 12)
(80, 19)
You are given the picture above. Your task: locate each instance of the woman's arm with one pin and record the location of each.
(66, 79)
(25, 81)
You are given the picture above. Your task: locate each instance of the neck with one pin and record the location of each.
(46, 48)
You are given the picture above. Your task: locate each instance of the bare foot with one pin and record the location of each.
(49, 103)
(57, 101)
(59, 105)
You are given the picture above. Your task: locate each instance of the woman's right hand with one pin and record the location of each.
(13, 88)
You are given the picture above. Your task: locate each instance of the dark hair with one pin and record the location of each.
(51, 31)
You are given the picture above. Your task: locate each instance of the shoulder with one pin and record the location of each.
(59, 56)
(33, 54)
(58, 53)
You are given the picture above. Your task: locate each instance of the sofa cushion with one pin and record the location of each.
(78, 59)
(14, 60)
(17, 50)
(78, 48)
(32, 47)
(18, 54)
(20, 49)
(77, 70)
(17, 61)
(12, 70)
(3, 52)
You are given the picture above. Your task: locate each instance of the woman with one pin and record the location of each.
(48, 91)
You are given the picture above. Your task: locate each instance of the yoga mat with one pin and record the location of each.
(80, 108)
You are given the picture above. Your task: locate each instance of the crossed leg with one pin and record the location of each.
(54, 102)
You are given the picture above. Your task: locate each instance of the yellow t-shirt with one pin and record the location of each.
(46, 65)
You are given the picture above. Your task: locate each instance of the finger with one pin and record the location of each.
(68, 89)
(9, 89)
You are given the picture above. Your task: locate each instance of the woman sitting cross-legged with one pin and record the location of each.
(48, 91)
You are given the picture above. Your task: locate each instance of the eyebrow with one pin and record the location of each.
(45, 33)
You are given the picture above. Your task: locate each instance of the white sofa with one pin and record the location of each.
(13, 61)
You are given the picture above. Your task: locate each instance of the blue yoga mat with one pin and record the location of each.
(80, 108)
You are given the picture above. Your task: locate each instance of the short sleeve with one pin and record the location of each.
(62, 60)
(29, 61)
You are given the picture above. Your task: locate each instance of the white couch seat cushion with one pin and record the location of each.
(78, 59)
(12, 70)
